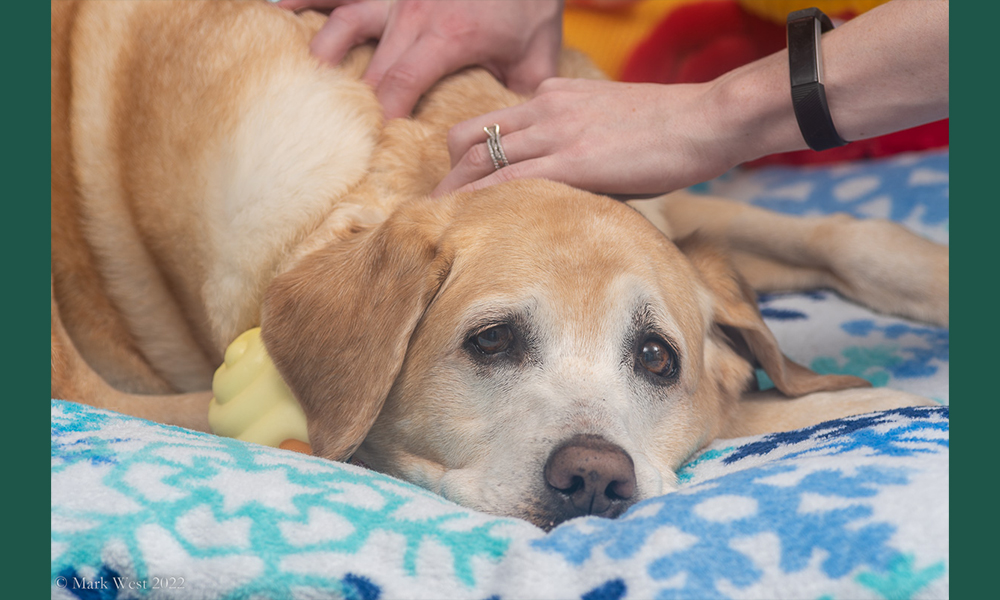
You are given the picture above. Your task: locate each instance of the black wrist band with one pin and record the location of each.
(805, 66)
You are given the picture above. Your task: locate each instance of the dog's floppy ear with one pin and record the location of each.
(737, 315)
(338, 323)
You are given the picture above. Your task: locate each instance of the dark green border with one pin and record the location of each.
(25, 48)
(975, 166)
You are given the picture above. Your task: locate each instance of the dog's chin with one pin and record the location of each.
(483, 491)
(543, 507)
(548, 519)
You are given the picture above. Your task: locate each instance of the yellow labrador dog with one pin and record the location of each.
(528, 350)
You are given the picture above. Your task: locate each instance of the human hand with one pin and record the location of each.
(606, 137)
(421, 41)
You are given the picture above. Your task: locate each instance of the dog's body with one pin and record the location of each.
(209, 176)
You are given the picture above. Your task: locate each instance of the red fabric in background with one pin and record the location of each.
(700, 41)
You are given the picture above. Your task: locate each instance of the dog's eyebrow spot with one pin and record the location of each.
(643, 316)
(647, 320)
(501, 311)
(487, 319)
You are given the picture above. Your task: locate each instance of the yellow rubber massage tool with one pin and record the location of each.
(252, 402)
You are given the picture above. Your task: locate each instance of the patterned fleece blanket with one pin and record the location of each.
(854, 508)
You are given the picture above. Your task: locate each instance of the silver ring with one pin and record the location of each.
(493, 145)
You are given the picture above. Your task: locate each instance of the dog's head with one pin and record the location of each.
(527, 350)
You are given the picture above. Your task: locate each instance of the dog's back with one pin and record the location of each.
(197, 149)
(192, 144)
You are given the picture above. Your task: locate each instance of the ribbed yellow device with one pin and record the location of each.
(252, 402)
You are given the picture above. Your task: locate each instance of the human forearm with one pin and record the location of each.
(884, 71)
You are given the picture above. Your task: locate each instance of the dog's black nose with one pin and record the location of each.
(588, 475)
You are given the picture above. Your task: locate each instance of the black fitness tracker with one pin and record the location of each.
(805, 66)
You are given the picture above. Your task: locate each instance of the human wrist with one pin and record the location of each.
(751, 108)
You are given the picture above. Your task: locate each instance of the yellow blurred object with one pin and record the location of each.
(608, 36)
(252, 402)
(777, 10)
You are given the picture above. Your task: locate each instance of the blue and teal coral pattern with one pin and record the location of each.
(866, 479)
(189, 472)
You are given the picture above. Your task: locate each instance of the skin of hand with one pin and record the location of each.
(421, 41)
(603, 136)
(885, 70)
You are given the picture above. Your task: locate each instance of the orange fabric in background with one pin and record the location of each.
(777, 10)
(608, 31)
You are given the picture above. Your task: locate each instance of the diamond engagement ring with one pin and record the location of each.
(496, 150)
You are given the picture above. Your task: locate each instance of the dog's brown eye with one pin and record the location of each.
(493, 340)
(657, 357)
